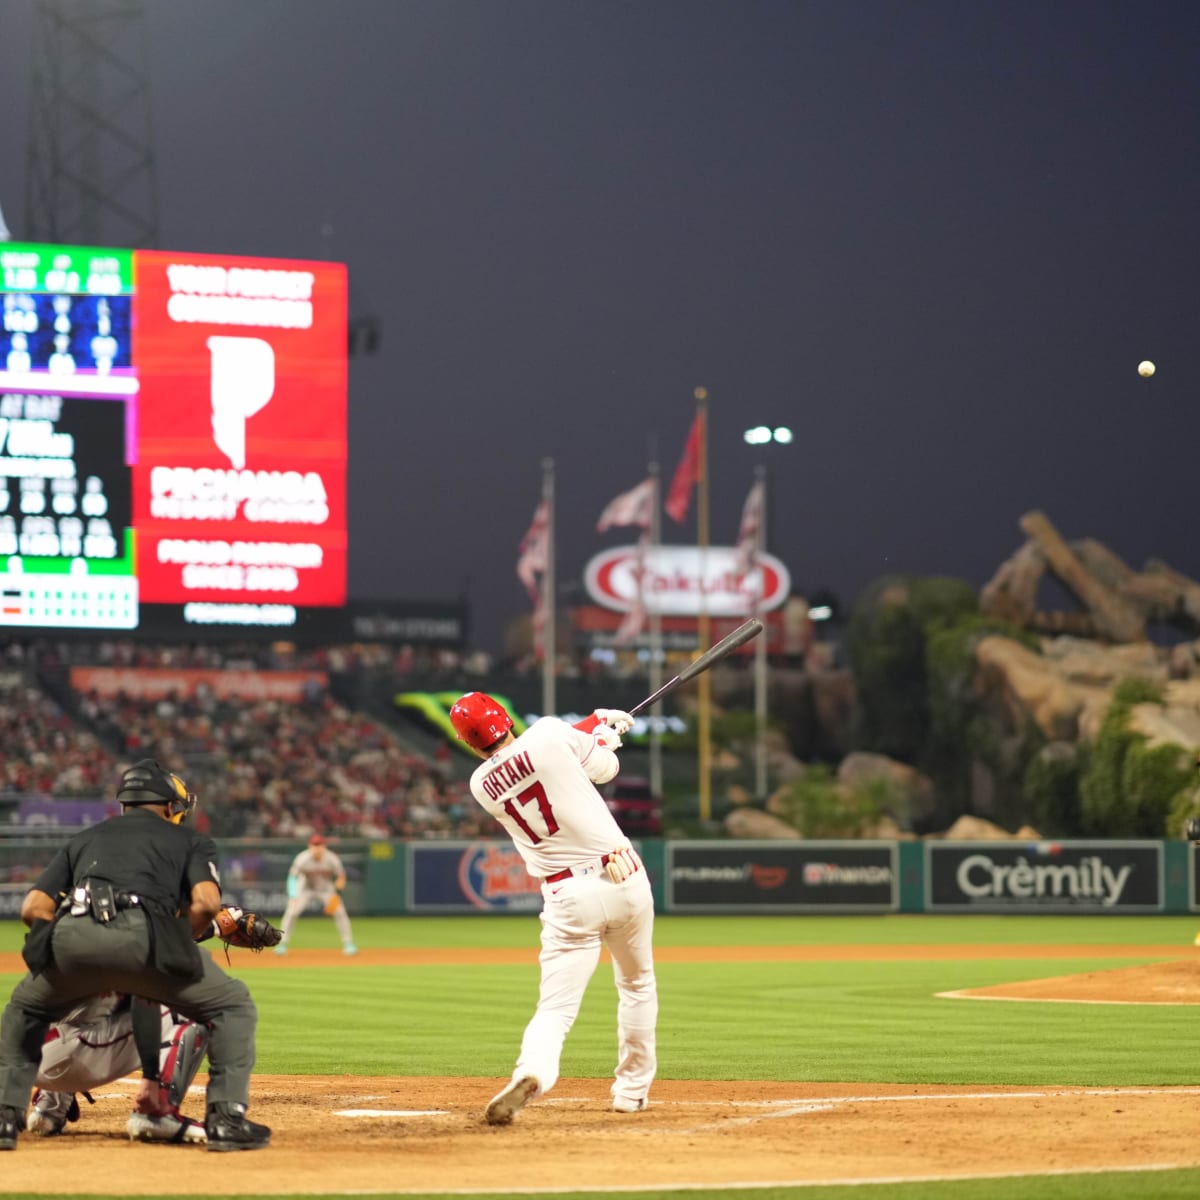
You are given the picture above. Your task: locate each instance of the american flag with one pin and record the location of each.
(748, 531)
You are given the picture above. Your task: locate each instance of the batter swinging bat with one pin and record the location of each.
(725, 647)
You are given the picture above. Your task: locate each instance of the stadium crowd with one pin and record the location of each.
(263, 767)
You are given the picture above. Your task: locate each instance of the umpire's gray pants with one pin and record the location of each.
(90, 958)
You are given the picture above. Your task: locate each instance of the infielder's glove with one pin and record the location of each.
(1191, 829)
(245, 930)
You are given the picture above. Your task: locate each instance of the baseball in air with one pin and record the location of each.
(1146, 369)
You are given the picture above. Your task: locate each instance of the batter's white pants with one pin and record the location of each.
(579, 915)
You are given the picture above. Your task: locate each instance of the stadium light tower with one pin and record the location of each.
(91, 176)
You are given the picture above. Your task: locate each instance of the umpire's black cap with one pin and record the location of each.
(149, 782)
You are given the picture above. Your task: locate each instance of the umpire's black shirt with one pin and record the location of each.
(140, 853)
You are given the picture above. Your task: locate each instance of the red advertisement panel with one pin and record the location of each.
(239, 487)
(156, 683)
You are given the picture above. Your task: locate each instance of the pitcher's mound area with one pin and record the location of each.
(1155, 983)
(426, 1135)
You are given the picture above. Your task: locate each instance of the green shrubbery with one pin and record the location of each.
(886, 641)
(820, 807)
(1129, 787)
(912, 646)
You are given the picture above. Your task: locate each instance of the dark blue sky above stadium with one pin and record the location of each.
(934, 237)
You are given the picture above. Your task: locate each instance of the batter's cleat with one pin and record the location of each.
(167, 1128)
(12, 1121)
(50, 1113)
(350, 948)
(624, 1104)
(506, 1104)
(228, 1129)
(281, 949)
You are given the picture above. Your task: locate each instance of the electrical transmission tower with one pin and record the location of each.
(90, 174)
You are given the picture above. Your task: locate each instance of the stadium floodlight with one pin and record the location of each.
(758, 436)
(783, 435)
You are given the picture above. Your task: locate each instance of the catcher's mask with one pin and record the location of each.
(149, 782)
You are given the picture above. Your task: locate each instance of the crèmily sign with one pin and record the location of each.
(1044, 877)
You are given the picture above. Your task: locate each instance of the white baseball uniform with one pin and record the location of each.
(540, 787)
(316, 880)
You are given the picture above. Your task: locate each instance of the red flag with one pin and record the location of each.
(687, 473)
(634, 507)
(535, 552)
(747, 539)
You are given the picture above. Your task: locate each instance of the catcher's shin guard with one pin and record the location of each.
(182, 1057)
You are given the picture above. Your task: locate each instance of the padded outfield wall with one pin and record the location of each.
(717, 876)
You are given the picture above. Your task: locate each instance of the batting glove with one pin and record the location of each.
(609, 738)
(622, 864)
(622, 722)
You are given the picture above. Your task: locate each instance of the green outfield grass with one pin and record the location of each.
(803, 1021)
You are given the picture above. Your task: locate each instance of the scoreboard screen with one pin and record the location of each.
(172, 439)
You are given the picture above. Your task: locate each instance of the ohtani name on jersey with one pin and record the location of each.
(507, 774)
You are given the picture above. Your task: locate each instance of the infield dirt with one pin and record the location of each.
(427, 1134)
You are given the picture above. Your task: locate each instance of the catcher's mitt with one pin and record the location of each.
(245, 930)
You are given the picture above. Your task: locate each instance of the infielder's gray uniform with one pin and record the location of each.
(316, 873)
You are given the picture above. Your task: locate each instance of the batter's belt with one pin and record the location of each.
(588, 868)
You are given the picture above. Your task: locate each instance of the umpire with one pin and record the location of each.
(118, 908)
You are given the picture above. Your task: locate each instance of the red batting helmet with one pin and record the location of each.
(479, 720)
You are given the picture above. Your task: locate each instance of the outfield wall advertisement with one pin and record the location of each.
(1062, 877)
(782, 877)
(470, 877)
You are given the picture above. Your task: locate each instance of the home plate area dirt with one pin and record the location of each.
(372, 1134)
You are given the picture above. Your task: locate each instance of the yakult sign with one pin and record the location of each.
(676, 577)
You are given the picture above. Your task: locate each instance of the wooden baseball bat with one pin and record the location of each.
(725, 647)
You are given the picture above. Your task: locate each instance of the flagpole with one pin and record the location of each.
(760, 651)
(656, 665)
(549, 597)
(704, 697)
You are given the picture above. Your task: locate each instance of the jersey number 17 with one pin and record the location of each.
(535, 792)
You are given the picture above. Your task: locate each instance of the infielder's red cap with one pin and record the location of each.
(316, 840)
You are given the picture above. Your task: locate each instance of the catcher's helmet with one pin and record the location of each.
(149, 782)
(479, 720)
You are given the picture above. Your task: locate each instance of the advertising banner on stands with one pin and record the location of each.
(782, 876)
(156, 683)
(45, 813)
(465, 877)
(1052, 877)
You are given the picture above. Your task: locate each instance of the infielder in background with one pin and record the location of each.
(540, 787)
(316, 874)
(106, 1038)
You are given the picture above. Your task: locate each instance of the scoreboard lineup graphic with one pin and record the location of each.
(172, 438)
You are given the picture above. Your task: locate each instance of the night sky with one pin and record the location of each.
(935, 237)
